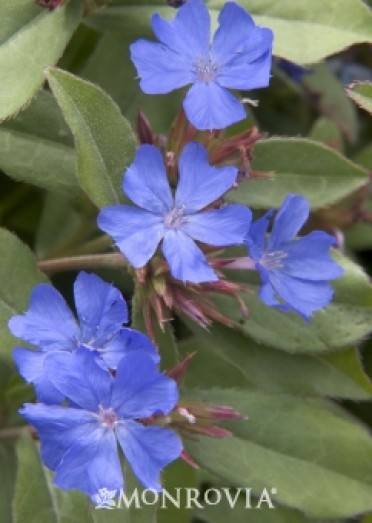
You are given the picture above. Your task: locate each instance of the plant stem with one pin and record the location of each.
(90, 261)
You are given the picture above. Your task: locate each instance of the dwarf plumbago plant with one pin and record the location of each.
(183, 285)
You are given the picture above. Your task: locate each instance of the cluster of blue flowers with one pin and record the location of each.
(97, 382)
(294, 274)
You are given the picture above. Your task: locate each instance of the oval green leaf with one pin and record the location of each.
(105, 143)
(310, 452)
(361, 94)
(301, 166)
(36, 147)
(15, 285)
(31, 39)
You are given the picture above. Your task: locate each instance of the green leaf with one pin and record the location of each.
(330, 98)
(222, 372)
(345, 321)
(178, 475)
(326, 131)
(240, 514)
(33, 501)
(298, 165)
(361, 94)
(359, 236)
(31, 39)
(105, 143)
(36, 147)
(36, 499)
(364, 157)
(338, 375)
(309, 451)
(15, 285)
(304, 32)
(7, 480)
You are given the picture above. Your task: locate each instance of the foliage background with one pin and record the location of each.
(63, 146)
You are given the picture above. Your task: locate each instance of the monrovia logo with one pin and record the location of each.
(186, 498)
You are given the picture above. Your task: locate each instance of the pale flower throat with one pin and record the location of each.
(273, 260)
(174, 218)
(205, 69)
(107, 417)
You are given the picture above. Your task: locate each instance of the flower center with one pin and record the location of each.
(174, 218)
(273, 260)
(107, 417)
(205, 69)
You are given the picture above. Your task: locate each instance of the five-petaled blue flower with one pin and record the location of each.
(50, 325)
(238, 58)
(176, 221)
(79, 442)
(294, 273)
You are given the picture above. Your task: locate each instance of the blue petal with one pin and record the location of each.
(125, 342)
(267, 295)
(289, 220)
(30, 364)
(304, 296)
(241, 74)
(91, 464)
(137, 233)
(48, 322)
(220, 227)
(148, 450)
(186, 261)
(242, 48)
(80, 379)
(140, 390)
(146, 182)
(209, 106)
(309, 258)
(101, 309)
(160, 69)
(200, 183)
(189, 33)
(235, 31)
(255, 240)
(59, 428)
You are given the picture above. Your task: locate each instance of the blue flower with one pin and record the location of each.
(176, 221)
(50, 325)
(294, 273)
(238, 58)
(79, 442)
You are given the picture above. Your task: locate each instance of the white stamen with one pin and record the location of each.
(174, 218)
(273, 260)
(205, 69)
